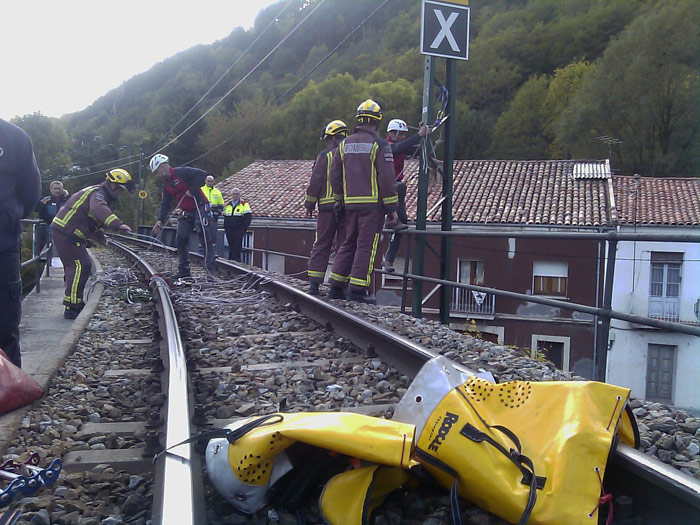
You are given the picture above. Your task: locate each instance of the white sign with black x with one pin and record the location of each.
(445, 29)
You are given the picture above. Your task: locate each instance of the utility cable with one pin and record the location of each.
(259, 115)
(320, 3)
(274, 20)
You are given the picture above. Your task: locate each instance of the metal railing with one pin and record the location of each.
(45, 255)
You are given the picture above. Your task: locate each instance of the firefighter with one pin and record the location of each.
(320, 192)
(363, 182)
(83, 217)
(237, 217)
(183, 186)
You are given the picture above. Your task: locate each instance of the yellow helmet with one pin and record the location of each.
(337, 127)
(121, 176)
(368, 111)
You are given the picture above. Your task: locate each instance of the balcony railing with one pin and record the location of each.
(664, 308)
(473, 302)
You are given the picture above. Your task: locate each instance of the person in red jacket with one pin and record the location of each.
(183, 186)
(362, 178)
(83, 217)
(328, 227)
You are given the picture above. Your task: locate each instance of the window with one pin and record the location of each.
(550, 278)
(471, 301)
(555, 348)
(661, 369)
(665, 285)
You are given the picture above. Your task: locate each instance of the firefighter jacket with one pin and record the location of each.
(86, 212)
(216, 200)
(48, 207)
(319, 190)
(237, 215)
(362, 173)
(175, 187)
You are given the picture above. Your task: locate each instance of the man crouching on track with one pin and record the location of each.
(362, 178)
(83, 216)
(184, 186)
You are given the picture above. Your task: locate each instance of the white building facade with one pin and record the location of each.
(660, 280)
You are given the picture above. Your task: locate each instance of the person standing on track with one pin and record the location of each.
(237, 217)
(216, 204)
(362, 177)
(84, 216)
(319, 191)
(19, 192)
(400, 146)
(183, 186)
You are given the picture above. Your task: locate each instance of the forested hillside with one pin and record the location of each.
(545, 79)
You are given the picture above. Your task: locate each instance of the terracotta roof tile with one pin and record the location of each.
(485, 191)
(672, 201)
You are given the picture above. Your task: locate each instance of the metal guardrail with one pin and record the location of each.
(45, 255)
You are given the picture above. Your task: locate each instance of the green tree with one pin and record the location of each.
(644, 91)
(51, 143)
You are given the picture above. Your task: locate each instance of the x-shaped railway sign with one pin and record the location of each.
(445, 29)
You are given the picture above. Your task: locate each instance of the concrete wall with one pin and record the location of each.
(627, 359)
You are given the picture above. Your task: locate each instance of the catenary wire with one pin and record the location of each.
(263, 112)
(242, 79)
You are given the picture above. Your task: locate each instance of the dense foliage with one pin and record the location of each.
(545, 79)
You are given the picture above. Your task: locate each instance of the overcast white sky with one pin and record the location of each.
(59, 56)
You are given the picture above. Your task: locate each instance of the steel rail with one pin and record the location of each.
(177, 470)
(661, 493)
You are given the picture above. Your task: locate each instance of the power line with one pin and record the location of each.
(244, 78)
(274, 20)
(263, 112)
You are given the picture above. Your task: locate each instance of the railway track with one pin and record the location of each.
(291, 351)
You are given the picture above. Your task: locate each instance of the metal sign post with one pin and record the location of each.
(422, 205)
(444, 33)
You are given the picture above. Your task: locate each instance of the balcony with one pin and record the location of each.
(664, 308)
(473, 303)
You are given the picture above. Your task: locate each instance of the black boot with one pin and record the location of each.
(313, 288)
(336, 292)
(182, 273)
(360, 296)
(71, 312)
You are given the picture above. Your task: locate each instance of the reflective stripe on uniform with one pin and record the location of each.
(340, 278)
(361, 199)
(328, 198)
(370, 267)
(76, 280)
(74, 208)
(109, 220)
(314, 273)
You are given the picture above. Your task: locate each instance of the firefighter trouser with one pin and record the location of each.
(326, 230)
(77, 266)
(10, 303)
(355, 259)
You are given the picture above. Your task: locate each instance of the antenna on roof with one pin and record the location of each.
(609, 141)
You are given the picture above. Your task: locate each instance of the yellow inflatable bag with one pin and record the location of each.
(528, 452)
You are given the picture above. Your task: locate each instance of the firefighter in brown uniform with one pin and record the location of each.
(319, 191)
(362, 178)
(82, 217)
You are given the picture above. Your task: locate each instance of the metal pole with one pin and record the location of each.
(448, 159)
(422, 205)
(601, 365)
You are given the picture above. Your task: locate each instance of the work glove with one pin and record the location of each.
(338, 210)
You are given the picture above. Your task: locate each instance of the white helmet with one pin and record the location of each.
(397, 125)
(157, 160)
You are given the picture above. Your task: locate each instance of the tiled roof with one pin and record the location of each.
(650, 200)
(502, 192)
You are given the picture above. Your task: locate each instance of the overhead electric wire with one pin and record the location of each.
(320, 3)
(274, 20)
(263, 112)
